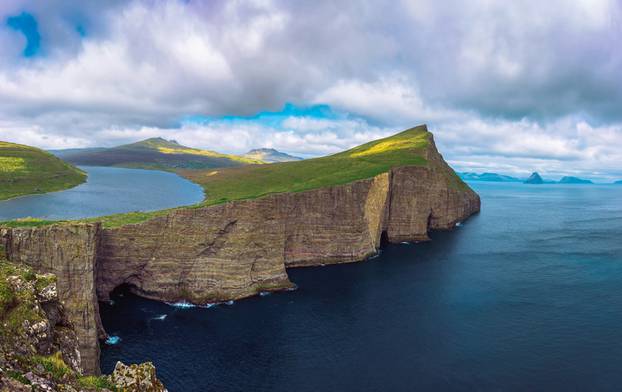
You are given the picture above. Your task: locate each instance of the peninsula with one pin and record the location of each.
(256, 222)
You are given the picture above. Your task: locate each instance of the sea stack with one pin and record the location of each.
(534, 178)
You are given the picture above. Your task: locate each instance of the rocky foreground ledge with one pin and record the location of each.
(240, 248)
(39, 348)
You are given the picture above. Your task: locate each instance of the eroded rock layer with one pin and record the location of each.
(69, 252)
(240, 248)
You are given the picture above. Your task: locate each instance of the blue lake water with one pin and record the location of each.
(525, 296)
(108, 190)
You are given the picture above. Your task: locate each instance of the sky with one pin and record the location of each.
(510, 87)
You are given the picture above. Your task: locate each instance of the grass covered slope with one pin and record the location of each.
(365, 161)
(408, 148)
(155, 153)
(25, 170)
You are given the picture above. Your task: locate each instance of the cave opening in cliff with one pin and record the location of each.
(384, 239)
(122, 290)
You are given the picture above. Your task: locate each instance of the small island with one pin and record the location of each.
(534, 178)
(574, 180)
(27, 170)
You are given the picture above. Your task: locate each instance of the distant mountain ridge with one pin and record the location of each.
(493, 177)
(574, 180)
(270, 155)
(154, 153)
(534, 178)
(618, 182)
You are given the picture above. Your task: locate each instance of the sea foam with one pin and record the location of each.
(112, 340)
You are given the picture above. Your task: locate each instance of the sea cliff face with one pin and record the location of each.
(241, 248)
(69, 252)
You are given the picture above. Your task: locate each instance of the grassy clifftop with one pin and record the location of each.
(407, 148)
(365, 161)
(25, 170)
(154, 153)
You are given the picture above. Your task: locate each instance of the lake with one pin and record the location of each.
(524, 296)
(108, 190)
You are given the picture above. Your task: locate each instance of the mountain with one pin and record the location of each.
(618, 182)
(154, 153)
(534, 178)
(25, 170)
(493, 177)
(270, 155)
(574, 180)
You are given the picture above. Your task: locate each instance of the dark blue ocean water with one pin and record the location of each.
(108, 190)
(525, 296)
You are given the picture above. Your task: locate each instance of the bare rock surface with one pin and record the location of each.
(68, 252)
(136, 378)
(238, 249)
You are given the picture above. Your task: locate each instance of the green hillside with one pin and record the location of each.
(252, 181)
(25, 170)
(155, 153)
(365, 161)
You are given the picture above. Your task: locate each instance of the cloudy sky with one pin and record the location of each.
(505, 86)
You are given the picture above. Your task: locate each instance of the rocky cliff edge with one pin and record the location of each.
(240, 248)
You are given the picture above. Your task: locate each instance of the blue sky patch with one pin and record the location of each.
(272, 119)
(81, 30)
(26, 24)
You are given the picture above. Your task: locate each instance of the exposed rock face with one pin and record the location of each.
(240, 248)
(136, 378)
(69, 252)
(38, 346)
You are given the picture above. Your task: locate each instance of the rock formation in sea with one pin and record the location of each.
(240, 248)
(534, 178)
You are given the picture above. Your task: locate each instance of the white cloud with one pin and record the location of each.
(519, 85)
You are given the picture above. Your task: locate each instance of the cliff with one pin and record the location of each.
(68, 252)
(39, 348)
(240, 248)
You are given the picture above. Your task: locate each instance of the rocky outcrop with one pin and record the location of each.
(136, 378)
(69, 252)
(39, 349)
(241, 248)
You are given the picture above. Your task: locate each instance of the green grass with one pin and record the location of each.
(28, 222)
(54, 365)
(26, 170)
(156, 154)
(128, 218)
(253, 181)
(96, 382)
(15, 307)
(365, 161)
